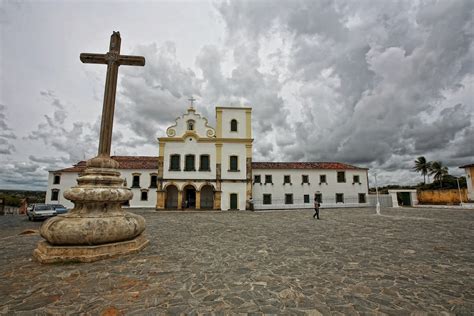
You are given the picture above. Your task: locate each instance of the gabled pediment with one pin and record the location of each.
(191, 122)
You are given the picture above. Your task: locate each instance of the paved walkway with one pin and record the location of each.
(350, 262)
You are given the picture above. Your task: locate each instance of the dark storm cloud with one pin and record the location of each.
(374, 83)
(439, 133)
(22, 175)
(370, 82)
(156, 94)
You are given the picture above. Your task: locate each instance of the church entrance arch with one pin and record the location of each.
(171, 197)
(189, 196)
(207, 197)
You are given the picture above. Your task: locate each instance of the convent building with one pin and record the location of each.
(205, 168)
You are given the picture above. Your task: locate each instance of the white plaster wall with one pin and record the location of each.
(329, 190)
(230, 149)
(228, 188)
(145, 181)
(470, 180)
(68, 180)
(190, 146)
(413, 197)
(240, 116)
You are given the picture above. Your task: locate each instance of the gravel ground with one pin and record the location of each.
(407, 261)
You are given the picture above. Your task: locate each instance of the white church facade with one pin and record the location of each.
(204, 168)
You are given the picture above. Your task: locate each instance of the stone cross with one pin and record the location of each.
(113, 60)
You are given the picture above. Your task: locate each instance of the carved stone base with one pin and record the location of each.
(47, 253)
(97, 227)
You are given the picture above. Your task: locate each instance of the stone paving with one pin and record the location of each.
(408, 261)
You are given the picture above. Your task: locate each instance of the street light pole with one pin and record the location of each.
(459, 191)
(377, 206)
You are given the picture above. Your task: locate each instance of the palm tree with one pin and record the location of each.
(438, 171)
(422, 166)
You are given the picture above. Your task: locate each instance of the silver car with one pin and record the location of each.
(40, 211)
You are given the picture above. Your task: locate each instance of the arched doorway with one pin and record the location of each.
(171, 197)
(207, 197)
(189, 196)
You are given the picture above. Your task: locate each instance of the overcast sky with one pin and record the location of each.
(371, 83)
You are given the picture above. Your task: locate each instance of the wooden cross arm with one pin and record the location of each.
(131, 60)
(88, 58)
(127, 60)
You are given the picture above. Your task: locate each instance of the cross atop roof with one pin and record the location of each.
(191, 99)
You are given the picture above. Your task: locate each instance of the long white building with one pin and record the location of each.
(201, 167)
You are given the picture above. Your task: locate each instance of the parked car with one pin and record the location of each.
(40, 211)
(59, 208)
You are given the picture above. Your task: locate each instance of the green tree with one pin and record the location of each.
(422, 166)
(438, 171)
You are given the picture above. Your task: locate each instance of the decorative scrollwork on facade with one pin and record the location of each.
(171, 132)
(210, 133)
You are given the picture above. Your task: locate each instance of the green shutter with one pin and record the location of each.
(204, 163)
(233, 201)
(190, 163)
(233, 163)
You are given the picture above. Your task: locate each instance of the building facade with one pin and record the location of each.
(139, 172)
(205, 168)
(469, 169)
(297, 184)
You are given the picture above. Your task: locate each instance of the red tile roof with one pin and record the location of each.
(147, 162)
(125, 162)
(468, 165)
(305, 165)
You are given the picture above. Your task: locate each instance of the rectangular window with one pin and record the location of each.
(153, 180)
(189, 163)
(144, 196)
(136, 181)
(306, 198)
(175, 163)
(305, 178)
(204, 164)
(339, 197)
(288, 198)
(57, 179)
(322, 178)
(361, 197)
(234, 163)
(267, 199)
(286, 179)
(341, 176)
(268, 179)
(257, 179)
(318, 197)
(355, 179)
(54, 195)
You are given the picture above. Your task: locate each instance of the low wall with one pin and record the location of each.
(385, 200)
(441, 196)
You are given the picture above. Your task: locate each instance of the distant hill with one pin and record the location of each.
(14, 197)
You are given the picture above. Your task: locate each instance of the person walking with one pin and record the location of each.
(316, 208)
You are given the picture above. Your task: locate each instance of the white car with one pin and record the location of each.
(40, 211)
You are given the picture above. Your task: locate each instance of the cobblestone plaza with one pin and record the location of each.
(282, 262)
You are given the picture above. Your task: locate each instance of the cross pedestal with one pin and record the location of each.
(97, 227)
